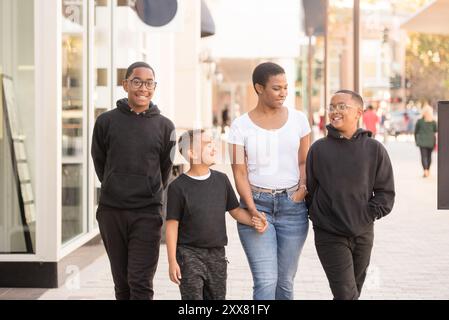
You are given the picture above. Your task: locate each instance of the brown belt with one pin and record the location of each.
(273, 191)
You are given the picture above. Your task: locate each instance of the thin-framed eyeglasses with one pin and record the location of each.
(136, 83)
(338, 107)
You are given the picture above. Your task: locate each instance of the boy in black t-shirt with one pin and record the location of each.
(196, 223)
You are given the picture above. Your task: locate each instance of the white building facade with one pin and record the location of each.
(62, 64)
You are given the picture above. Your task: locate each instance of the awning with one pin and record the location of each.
(207, 22)
(158, 13)
(433, 18)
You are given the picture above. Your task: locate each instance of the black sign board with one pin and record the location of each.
(156, 13)
(443, 155)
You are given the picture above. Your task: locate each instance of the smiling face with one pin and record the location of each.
(275, 91)
(344, 120)
(208, 149)
(198, 148)
(139, 98)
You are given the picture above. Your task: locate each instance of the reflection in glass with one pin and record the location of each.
(72, 205)
(73, 60)
(102, 97)
(17, 219)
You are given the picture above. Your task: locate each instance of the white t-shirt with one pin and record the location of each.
(205, 177)
(272, 155)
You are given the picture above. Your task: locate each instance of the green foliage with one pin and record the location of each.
(427, 67)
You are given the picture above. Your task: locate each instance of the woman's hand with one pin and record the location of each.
(299, 195)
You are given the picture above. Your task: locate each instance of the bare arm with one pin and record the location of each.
(259, 222)
(171, 240)
(302, 157)
(240, 171)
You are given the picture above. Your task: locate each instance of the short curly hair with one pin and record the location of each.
(185, 141)
(264, 71)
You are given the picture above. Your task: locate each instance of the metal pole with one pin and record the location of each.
(326, 61)
(357, 46)
(309, 80)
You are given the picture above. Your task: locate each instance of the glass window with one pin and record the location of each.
(102, 68)
(73, 117)
(17, 150)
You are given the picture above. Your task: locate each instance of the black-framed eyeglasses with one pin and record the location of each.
(136, 83)
(338, 107)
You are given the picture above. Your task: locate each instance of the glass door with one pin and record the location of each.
(17, 127)
(74, 48)
(101, 86)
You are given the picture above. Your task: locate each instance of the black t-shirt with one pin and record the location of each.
(200, 207)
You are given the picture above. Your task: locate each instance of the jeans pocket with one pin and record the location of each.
(290, 194)
(256, 194)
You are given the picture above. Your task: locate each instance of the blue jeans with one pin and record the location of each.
(274, 255)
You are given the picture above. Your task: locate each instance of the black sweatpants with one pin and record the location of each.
(345, 261)
(132, 243)
(203, 272)
(426, 157)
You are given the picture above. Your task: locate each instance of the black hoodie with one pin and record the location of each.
(131, 154)
(350, 182)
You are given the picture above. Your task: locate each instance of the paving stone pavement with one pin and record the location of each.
(410, 258)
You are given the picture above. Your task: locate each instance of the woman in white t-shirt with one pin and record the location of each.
(268, 147)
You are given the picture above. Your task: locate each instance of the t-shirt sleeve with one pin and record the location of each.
(231, 198)
(235, 135)
(303, 123)
(175, 203)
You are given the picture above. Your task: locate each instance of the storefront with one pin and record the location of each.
(62, 64)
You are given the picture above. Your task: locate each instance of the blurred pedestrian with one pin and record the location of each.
(425, 138)
(406, 123)
(224, 118)
(370, 120)
(350, 183)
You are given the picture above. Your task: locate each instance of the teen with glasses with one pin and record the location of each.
(131, 148)
(350, 183)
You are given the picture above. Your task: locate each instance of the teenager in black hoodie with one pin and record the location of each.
(350, 185)
(131, 148)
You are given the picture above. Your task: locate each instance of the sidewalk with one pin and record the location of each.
(410, 257)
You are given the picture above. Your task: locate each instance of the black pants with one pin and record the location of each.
(426, 157)
(132, 243)
(203, 273)
(345, 261)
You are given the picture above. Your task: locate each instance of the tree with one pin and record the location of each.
(427, 65)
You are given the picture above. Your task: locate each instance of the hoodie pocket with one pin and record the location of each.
(131, 187)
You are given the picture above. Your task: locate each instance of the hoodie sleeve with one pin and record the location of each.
(165, 158)
(98, 150)
(311, 180)
(382, 201)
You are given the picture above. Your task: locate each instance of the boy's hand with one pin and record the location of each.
(175, 273)
(260, 222)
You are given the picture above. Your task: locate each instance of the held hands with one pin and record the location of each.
(175, 273)
(260, 222)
